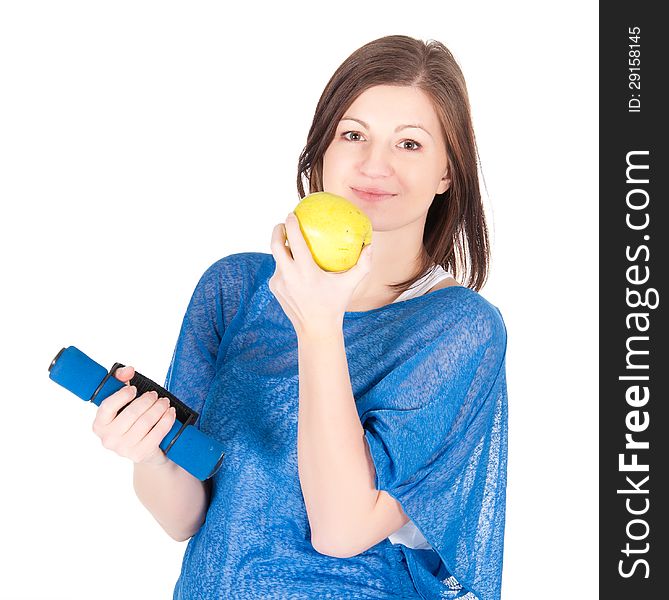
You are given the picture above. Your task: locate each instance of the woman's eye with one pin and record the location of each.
(415, 146)
(356, 136)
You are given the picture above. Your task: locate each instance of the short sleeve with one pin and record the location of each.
(436, 427)
(193, 363)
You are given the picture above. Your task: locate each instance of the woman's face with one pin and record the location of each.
(388, 156)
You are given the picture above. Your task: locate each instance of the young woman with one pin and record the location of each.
(364, 412)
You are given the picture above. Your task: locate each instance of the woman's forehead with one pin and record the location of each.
(404, 105)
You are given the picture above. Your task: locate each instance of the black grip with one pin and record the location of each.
(143, 384)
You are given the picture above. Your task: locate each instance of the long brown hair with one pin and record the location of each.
(455, 234)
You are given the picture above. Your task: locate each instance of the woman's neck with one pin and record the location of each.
(392, 263)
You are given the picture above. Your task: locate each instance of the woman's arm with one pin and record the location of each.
(176, 499)
(346, 513)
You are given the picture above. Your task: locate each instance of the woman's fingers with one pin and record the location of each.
(110, 406)
(129, 428)
(298, 244)
(137, 431)
(280, 251)
(147, 448)
(140, 409)
(124, 374)
(136, 426)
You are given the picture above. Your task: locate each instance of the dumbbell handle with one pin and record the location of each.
(187, 446)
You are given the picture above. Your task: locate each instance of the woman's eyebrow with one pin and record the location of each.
(398, 128)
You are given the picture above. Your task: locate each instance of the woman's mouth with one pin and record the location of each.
(372, 195)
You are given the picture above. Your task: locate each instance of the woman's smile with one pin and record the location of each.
(372, 194)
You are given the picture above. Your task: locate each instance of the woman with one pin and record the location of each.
(363, 412)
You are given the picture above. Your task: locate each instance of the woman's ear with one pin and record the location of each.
(444, 184)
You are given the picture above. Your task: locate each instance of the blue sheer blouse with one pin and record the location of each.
(428, 378)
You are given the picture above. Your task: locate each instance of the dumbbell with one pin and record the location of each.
(187, 446)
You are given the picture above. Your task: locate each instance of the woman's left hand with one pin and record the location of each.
(313, 299)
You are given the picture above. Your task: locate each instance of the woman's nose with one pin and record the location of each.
(376, 161)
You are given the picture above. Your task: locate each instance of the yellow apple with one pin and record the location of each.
(335, 230)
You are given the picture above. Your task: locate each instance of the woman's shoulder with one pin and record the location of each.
(228, 283)
(236, 270)
(231, 277)
(465, 311)
(240, 262)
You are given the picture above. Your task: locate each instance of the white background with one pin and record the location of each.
(141, 141)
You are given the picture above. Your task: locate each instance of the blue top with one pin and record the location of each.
(428, 377)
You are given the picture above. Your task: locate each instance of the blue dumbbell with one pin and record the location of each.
(186, 445)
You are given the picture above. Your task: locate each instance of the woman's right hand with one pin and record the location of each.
(137, 431)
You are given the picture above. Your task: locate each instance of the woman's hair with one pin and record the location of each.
(455, 235)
